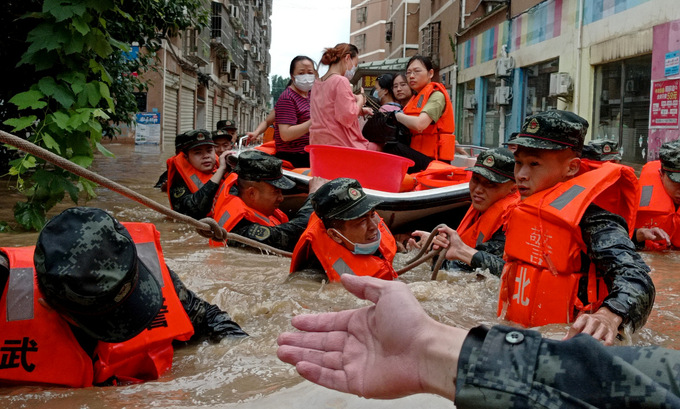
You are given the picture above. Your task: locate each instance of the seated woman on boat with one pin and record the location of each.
(291, 125)
(334, 109)
(400, 89)
(429, 113)
(195, 174)
(479, 240)
(345, 235)
(383, 92)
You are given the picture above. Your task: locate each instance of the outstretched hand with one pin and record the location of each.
(655, 234)
(381, 351)
(602, 325)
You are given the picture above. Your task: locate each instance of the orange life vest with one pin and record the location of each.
(230, 209)
(543, 247)
(148, 355)
(36, 344)
(337, 260)
(476, 228)
(656, 207)
(194, 178)
(38, 338)
(437, 140)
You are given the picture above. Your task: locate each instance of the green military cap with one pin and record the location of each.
(191, 139)
(497, 165)
(226, 124)
(554, 130)
(88, 269)
(221, 133)
(258, 166)
(601, 150)
(669, 153)
(342, 199)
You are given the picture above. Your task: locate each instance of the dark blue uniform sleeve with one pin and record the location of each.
(209, 320)
(284, 236)
(505, 367)
(631, 290)
(196, 205)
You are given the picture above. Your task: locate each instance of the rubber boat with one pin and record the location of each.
(439, 194)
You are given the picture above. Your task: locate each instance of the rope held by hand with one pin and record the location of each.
(205, 227)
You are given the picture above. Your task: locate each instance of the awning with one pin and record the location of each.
(376, 68)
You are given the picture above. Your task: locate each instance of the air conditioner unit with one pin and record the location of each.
(504, 67)
(560, 84)
(207, 69)
(502, 95)
(246, 86)
(470, 102)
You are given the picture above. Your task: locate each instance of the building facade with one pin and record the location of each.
(503, 61)
(220, 72)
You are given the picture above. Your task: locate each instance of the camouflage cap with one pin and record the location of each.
(87, 268)
(497, 165)
(342, 199)
(258, 166)
(226, 124)
(601, 150)
(221, 133)
(669, 153)
(192, 139)
(554, 130)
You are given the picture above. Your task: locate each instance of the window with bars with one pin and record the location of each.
(360, 42)
(429, 45)
(362, 14)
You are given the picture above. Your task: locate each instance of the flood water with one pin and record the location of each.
(245, 373)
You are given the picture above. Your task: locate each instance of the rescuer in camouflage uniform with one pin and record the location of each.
(605, 235)
(82, 246)
(602, 150)
(258, 167)
(370, 353)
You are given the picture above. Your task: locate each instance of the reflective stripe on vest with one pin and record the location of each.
(646, 195)
(20, 294)
(566, 197)
(197, 181)
(342, 268)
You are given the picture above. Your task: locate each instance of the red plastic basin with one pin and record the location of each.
(374, 170)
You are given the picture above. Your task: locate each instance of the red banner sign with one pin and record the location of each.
(663, 110)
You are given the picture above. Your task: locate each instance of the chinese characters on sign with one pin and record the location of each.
(148, 128)
(663, 110)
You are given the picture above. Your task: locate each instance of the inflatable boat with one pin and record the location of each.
(439, 194)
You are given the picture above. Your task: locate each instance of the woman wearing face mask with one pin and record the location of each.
(334, 108)
(291, 125)
(383, 93)
(400, 89)
(429, 113)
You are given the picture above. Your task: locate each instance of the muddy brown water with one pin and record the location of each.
(250, 286)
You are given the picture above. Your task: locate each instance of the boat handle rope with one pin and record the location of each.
(206, 227)
(420, 258)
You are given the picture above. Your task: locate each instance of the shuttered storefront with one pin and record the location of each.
(209, 111)
(170, 109)
(187, 103)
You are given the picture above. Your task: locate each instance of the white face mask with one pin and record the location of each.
(304, 82)
(349, 74)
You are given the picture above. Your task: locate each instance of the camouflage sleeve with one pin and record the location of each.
(490, 254)
(631, 290)
(505, 367)
(284, 236)
(196, 205)
(208, 320)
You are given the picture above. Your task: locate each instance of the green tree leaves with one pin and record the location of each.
(82, 85)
